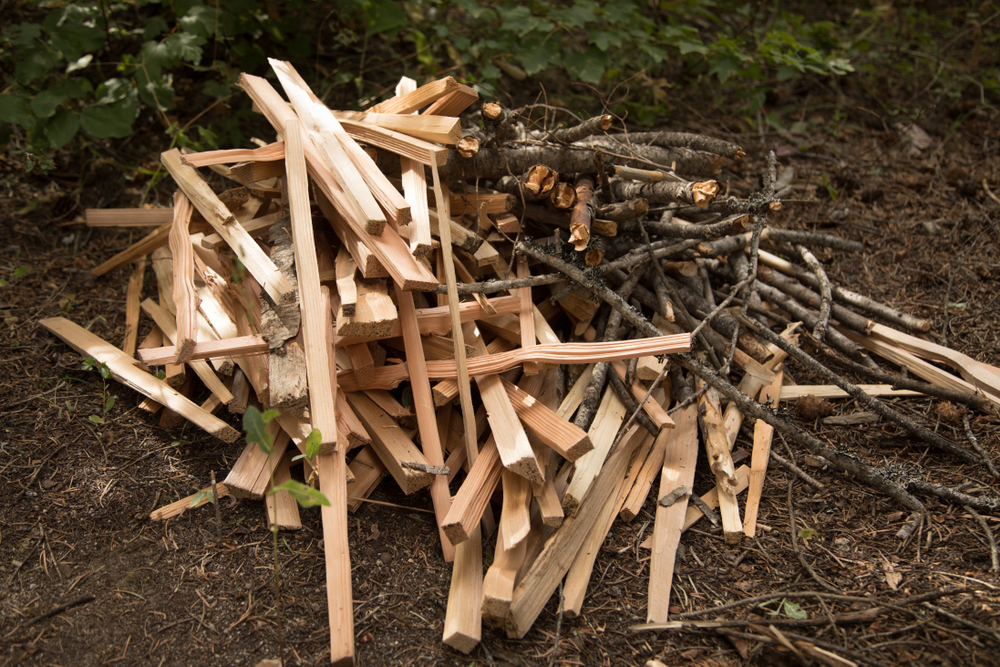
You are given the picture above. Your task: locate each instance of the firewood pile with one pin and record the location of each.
(391, 280)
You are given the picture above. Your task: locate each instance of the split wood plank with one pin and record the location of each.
(287, 379)
(498, 584)
(566, 438)
(527, 314)
(514, 515)
(762, 434)
(388, 377)
(458, 235)
(679, 460)
(512, 442)
(231, 347)
(364, 258)
(463, 625)
(249, 173)
(251, 473)
(314, 299)
(432, 128)
(473, 496)
(542, 577)
(128, 217)
(155, 239)
(392, 445)
(716, 442)
(571, 401)
(416, 99)
(332, 484)
(132, 295)
(185, 298)
(362, 362)
(165, 322)
(375, 316)
(423, 402)
(603, 430)
(436, 321)
(257, 227)
(345, 268)
(401, 144)
(368, 471)
(652, 408)
(178, 507)
(793, 391)
(282, 510)
(349, 427)
(388, 247)
(269, 153)
(453, 103)
(225, 224)
(123, 369)
(638, 491)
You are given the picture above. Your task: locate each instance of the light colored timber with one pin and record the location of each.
(185, 298)
(225, 224)
(322, 128)
(435, 129)
(123, 369)
(791, 392)
(638, 487)
(417, 99)
(603, 430)
(388, 377)
(367, 263)
(762, 434)
(332, 470)
(527, 314)
(155, 239)
(256, 227)
(401, 144)
(368, 471)
(984, 376)
(396, 209)
(716, 441)
(498, 584)
(542, 577)
(463, 624)
(392, 445)
(485, 202)
(132, 296)
(388, 402)
(287, 378)
(246, 311)
(282, 510)
(453, 103)
(346, 287)
(415, 187)
(249, 173)
(473, 496)
(241, 392)
(487, 255)
(314, 299)
(390, 250)
(567, 439)
(269, 153)
(252, 471)
(361, 362)
(164, 321)
(653, 409)
(446, 391)
(349, 427)
(458, 235)
(466, 276)
(571, 401)
(508, 223)
(514, 515)
(512, 442)
(679, 459)
(374, 316)
(178, 507)
(231, 347)
(916, 365)
(437, 321)
(163, 262)
(128, 217)
(423, 403)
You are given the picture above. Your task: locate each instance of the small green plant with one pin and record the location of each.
(786, 607)
(107, 400)
(807, 534)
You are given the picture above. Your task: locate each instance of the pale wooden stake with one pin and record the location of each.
(472, 498)
(527, 314)
(463, 624)
(336, 548)
(347, 289)
(178, 507)
(128, 217)
(231, 347)
(417, 99)
(312, 296)
(713, 432)
(679, 461)
(436, 129)
(514, 515)
(252, 471)
(566, 438)
(392, 445)
(123, 369)
(184, 296)
(155, 239)
(498, 585)
(762, 434)
(423, 403)
(415, 191)
(603, 430)
(791, 392)
(132, 296)
(368, 471)
(282, 510)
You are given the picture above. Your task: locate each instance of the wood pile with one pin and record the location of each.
(391, 280)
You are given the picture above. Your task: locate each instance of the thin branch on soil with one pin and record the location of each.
(793, 531)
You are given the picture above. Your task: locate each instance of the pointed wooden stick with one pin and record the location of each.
(762, 434)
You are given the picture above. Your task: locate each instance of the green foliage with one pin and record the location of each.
(304, 495)
(786, 607)
(107, 400)
(255, 424)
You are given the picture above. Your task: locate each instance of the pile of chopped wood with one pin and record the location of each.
(370, 264)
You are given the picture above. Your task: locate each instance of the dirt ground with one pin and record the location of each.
(75, 496)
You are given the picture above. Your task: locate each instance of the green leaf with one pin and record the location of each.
(256, 428)
(588, 66)
(74, 31)
(724, 67)
(153, 27)
(793, 610)
(304, 495)
(536, 59)
(383, 16)
(17, 110)
(185, 46)
(687, 46)
(108, 404)
(807, 533)
(155, 56)
(520, 21)
(270, 415)
(202, 496)
(313, 443)
(35, 63)
(96, 419)
(200, 20)
(604, 40)
(115, 121)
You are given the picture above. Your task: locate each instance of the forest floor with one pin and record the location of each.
(75, 496)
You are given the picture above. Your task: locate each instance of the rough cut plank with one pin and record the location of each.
(463, 625)
(178, 507)
(653, 409)
(793, 391)
(229, 347)
(603, 431)
(423, 403)
(185, 298)
(123, 369)
(680, 457)
(155, 239)
(403, 145)
(282, 510)
(417, 99)
(347, 289)
(132, 296)
(375, 316)
(514, 515)
(368, 471)
(128, 217)
(498, 585)
(332, 484)
(269, 153)
(225, 224)
(567, 439)
(349, 427)
(367, 262)
(716, 442)
(762, 434)
(415, 187)
(472, 498)
(392, 445)
(453, 103)
(436, 129)
(389, 377)
(527, 315)
(252, 471)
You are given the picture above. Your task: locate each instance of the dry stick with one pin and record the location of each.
(132, 297)
(185, 299)
(994, 557)
(795, 545)
(976, 446)
(989, 505)
(493, 286)
(716, 230)
(814, 239)
(587, 128)
(825, 290)
(807, 440)
(797, 471)
(631, 405)
(863, 397)
(986, 630)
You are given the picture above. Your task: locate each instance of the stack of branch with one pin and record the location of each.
(393, 282)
